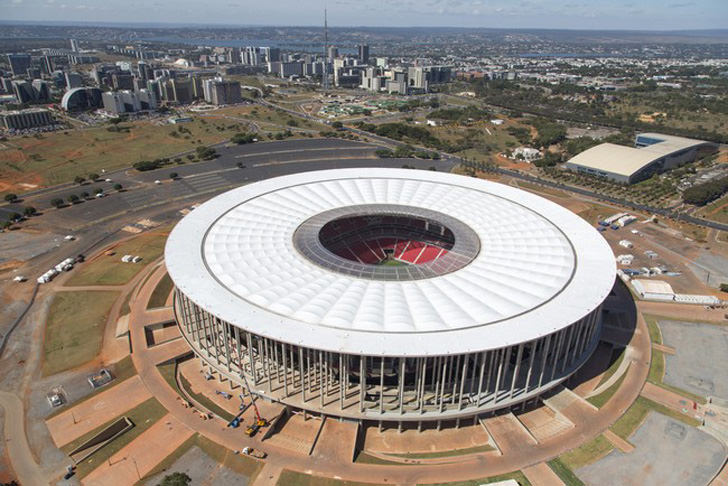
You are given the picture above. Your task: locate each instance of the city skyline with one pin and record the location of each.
(525, 14)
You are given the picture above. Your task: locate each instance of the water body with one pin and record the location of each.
(281, 44)
(568, 55)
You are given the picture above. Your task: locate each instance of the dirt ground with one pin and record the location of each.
(96, 411)
(141, 455)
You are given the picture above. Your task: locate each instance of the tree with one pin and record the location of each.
(73, 199)
(11, 197)
(118, 187)
(337, 125)
(98, 190)
(93, 177)
(173, 175)
(724, 287)
(176, 479)
(79, 180)
(5, 225)
(16, 217)
(57, 202)
(85, 195)
(242, 138)
(29, 211)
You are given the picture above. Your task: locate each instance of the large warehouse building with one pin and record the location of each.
(389, 295)
(652, 153)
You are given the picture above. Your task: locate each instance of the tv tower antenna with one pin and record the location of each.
(326, 48)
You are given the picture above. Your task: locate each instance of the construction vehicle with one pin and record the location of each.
(259, 421)
(249, 451)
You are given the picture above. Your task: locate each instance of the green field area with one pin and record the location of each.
(58, 157)
(586, 453)
(563, 472)
(635, 415)
(110, 270)
(142, 416)
(168, 371)
(601, 399)
(450, 453)
(518, 476)
(241, 464)
(75, 329)
(161, 292)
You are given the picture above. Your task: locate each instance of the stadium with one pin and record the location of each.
(389, 295)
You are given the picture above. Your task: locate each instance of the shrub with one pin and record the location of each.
(57, 202)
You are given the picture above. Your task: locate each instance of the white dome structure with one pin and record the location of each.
(389, 294)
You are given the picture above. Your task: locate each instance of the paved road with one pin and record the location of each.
(21, 457)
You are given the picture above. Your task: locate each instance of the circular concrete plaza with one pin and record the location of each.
(388, 294)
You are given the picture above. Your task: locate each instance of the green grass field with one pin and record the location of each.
(450, 453)
(635, 415)
(563, 472)
(75, 329)
(58, 157)
(161, 292)
(600, 400)
(110, 270)
(586, 453)
(516, 475)
(142, 416)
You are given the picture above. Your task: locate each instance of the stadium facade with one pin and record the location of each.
(388, 294)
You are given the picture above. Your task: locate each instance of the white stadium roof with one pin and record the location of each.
(539, 267)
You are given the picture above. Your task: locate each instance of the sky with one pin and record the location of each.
(548, 14)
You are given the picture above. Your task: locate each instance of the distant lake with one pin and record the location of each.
(567, 55)
(281, 44)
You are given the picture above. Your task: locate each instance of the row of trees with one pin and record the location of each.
(702, 194)
(84, 196)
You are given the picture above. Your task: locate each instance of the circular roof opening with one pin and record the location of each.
(387, 242)
(387, 239)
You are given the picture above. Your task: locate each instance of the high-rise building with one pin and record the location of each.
(220, 92)
(33, 72)
(19, 63)
(332, 53)
(30, 118)
(23, 91)
(73, 80)
(47, 64)
(41, 90)
(74, 45)
(145, 71)
(122, 81)
(363, 53)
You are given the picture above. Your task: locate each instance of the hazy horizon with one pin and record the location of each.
(645, 15)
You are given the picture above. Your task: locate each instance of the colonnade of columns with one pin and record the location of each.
(387, 388)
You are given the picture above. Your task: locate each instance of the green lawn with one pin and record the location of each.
(295, 478)
(517, 475)
(110, 270)
(60, 156)
(600, 400)
(364, 458)
(75, 329)
(616, 358)
(121, 370)
(450, 453)
(563, 472)
(142, 416)
(654, 328)
(168, 372)
(635, 415)
(161, 292)
(586, 453)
